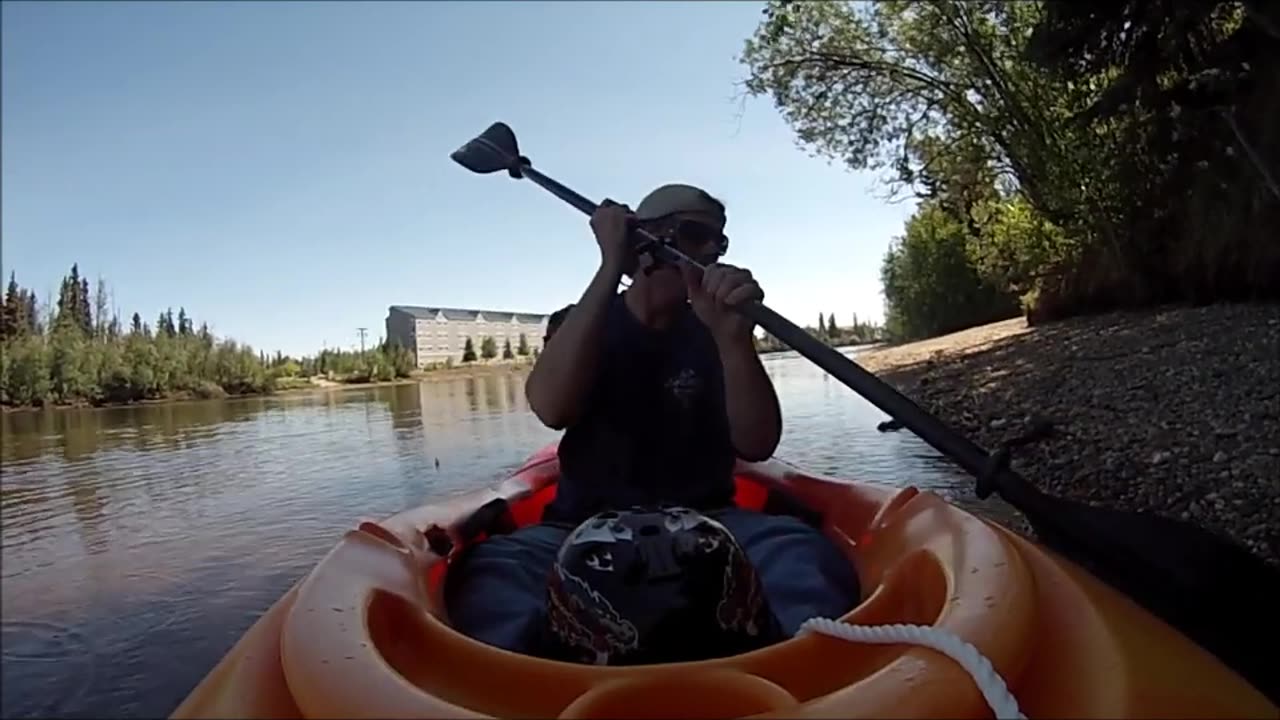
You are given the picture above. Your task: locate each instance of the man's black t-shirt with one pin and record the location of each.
(655, 429)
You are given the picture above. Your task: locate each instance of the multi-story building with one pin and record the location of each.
(435, 335)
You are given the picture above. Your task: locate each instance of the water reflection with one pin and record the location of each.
(79, 433)
(140, 542)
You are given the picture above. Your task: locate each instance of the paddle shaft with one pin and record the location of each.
(960, 449)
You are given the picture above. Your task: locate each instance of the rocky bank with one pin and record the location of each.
(1173, 410)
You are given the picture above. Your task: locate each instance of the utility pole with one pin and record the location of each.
(362, 331)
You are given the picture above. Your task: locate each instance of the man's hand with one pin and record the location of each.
(611, 224)
(713, 294)
(755, 420)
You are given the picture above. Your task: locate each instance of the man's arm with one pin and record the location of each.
(566, 368)
(755, 419)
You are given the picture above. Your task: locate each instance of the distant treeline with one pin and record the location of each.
(856, 333)
(78, 351)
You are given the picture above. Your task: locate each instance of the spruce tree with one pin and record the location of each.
(84, 310)
(11, 319)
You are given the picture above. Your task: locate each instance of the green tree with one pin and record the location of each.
(488, 348)
(165, 325)
(114, 378)
(101, 302)
(832, 329)
(382, 370)
(84, 311)
(893, 85)
(1185, 99)
(935, 92)
(13, 320)
(184, 323)
(930, 285)
(140, 359)
(402, 361)
(66, 302)
(1127, 164)
(70, 380)
(507, 354)
(399, 362)
(822, 326)
(73, 309)
(522, 349)
(70, 305)
(468, 351)
(26, 376)
(32, 314)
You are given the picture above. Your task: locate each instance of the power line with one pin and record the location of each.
(362, 332)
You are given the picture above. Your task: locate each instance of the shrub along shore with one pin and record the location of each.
(78, 352)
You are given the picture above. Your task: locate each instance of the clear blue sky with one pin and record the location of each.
(281, 168)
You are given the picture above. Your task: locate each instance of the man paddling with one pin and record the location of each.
(658, 389)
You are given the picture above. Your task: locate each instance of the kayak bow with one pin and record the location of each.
(366, 634)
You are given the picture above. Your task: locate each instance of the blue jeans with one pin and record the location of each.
(496, 593)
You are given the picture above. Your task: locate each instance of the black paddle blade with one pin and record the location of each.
(1214, 591)
(492, 150)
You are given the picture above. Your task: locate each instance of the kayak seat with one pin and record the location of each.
(780, 503)
(495, 517)
(490, 519)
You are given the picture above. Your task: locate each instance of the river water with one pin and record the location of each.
(140, 542)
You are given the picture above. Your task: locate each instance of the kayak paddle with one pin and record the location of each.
(1213, 590)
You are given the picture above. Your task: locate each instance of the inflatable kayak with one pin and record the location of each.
(956, 613)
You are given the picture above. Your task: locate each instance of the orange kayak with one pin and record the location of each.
(366, 634)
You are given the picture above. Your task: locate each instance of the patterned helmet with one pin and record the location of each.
(649, 586)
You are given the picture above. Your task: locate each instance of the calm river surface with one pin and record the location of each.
(139, 543)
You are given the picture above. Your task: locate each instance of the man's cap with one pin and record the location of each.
(675, 198)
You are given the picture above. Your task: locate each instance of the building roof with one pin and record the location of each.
(429, 313)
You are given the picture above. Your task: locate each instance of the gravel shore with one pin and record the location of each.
(1175, 411)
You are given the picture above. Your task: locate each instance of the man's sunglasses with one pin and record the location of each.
(700, 241)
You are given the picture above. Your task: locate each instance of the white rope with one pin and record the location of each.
(990, 684)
